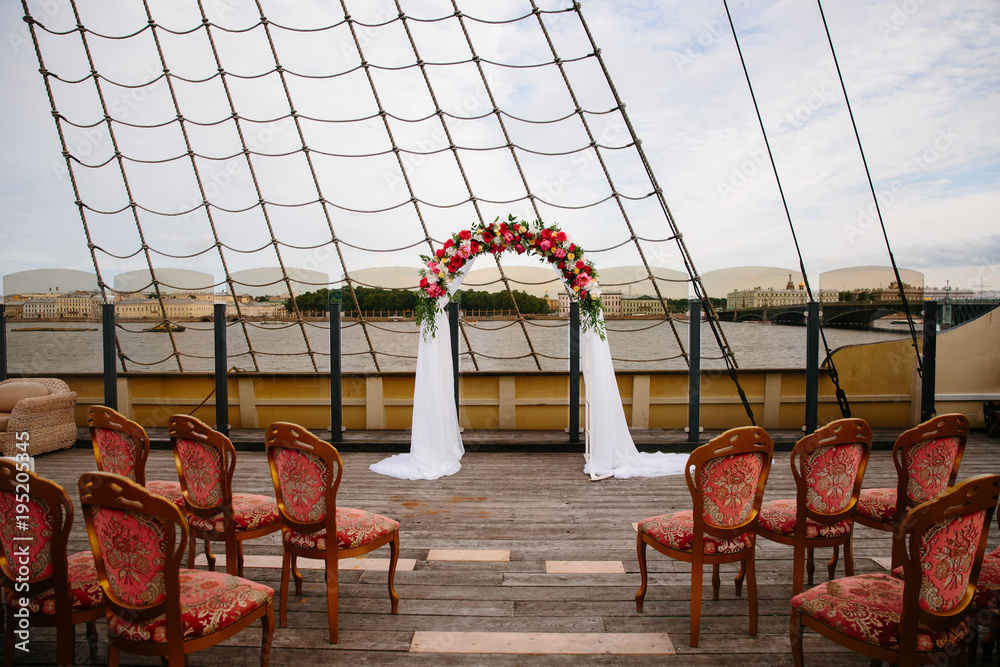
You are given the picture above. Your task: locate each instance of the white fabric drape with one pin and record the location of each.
(436, 447)
(612, 450)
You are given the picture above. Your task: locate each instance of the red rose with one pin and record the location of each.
(439, 253)
(561, 265)
(474, 246)
(580, 264)
(487, 235)
(424, 282)
(503, 227)
(449, 243)
(519, 248)
(583, 294)
(495, 249)
(587, 269)
(546, 233)
(465, 235)
(560, 236)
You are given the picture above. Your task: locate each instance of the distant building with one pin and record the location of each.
(191, 309)
(641, 305)
(611, 302)
(13, 309)
(891, 294)
(770, 297)
(54, 306)
(948, 292)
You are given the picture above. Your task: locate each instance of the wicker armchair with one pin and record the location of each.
(48, 420)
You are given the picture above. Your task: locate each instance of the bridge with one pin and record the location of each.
(856, 315)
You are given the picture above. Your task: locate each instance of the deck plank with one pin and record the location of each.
(539, 507)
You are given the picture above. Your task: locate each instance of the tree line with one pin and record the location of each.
(375, 298)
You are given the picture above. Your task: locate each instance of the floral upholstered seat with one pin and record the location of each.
(121, 446)
(62, 590)
(828, 467)
(927, 458)
(306, 472)
(922, 616)
(726, 478)
(154, 606)
(206, 462)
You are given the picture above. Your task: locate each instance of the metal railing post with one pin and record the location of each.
(927, 388)
(110, 360)
(221, 371)
(694, 377)
(453, 330)
(336, 369)
(574, 372)
(812, 366)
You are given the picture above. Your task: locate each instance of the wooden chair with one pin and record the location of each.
(828, 467)
(726, 478)
(154, 607)
(61, 590)
(926, 459)
(986, 604)
(306, 472)
(923, 615)
(121, 446)
(206, 461)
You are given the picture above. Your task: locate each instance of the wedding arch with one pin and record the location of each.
(436, 447)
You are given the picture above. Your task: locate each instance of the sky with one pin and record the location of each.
(923, 79)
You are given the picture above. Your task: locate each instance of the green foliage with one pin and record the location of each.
(471, 300)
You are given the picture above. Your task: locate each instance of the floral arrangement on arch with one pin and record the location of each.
(547, 241)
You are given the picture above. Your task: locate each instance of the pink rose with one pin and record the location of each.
(559, 252)
(509, 237)
(544, 245)
(435, 291)
(519, 248)
(432, 265)
(582, 279)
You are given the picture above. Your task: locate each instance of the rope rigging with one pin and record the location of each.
(252, 220)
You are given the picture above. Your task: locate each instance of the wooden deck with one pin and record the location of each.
(538, 508)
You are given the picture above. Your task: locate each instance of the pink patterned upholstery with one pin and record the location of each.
(39, 527)
(210, 601)
(868, 608)
(778, 516)
(729, 484)
(202, 466)
(988, 585)
(676, 531)
(132, 546)
(119, 451)
(355, 528)
(947, 553)
(169, 490)
(84, 588)
(250, 512)
(830, 473)
(929, 464)
(877, 504)
(304, 479)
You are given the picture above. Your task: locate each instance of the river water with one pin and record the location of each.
(499, 345)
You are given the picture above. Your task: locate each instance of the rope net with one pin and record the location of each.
(220, 137)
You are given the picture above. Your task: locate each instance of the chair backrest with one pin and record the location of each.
(306, 473)
(120, 445)
(38, 509)
(829, 467)
(942, 543)
(138, 539)
(927, 458)
(726, 478)
(206, 461)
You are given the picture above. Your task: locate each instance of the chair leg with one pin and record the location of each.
(795, 635)
(393, 558)
(239, 556)
(751, 569)
(112, 655)
(92, 639)
(740, 576)
(849, 557)
(640, 552)
(697, 574)
(8, 644)
(285, 566)
(209, 557)
(832, 565)
(810, 565)
(332, 596)
(297, 576)
(715, 581)
(267, 623)
(65, 643)
(798, 567)
(192, 547)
